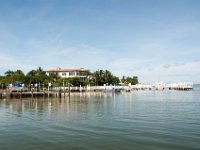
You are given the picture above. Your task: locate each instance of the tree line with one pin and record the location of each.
(39, 77)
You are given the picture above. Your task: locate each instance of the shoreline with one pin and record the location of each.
(66, 92)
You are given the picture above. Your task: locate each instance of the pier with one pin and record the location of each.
(65, 91)
(181, 86)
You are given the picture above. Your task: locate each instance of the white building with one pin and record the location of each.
(69, 72)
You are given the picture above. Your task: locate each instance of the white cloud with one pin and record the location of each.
(175, 73)
(129, 67)
(81, 55)
(152, 46)
(149, 71)
(9, 63)
(182, 30)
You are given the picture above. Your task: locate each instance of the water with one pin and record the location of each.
(150, 120)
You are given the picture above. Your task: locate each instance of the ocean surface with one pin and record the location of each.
(138, 120)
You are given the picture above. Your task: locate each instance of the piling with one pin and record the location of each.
(59, 93)
(69, 89)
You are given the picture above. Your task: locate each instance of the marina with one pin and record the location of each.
(99, 75)
(164, 86)
(65, 91)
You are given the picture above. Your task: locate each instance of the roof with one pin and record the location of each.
(67, 70)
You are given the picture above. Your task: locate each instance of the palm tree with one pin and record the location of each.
(19, 76)
(14, 76)
(9, 73)
(38, 76)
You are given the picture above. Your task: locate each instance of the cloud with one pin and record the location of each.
(152, 46)
(130, 66)
(166, 66)
(9, 63)
(179, 64)
(150, 71)
(81, 55)
(182, 72)
(182, 30)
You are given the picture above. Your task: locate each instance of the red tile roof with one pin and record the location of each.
(67, 70)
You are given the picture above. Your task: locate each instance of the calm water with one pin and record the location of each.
(143, 120)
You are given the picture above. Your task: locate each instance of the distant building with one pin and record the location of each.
(69, 72)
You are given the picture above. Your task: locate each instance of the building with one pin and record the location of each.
(69, 72)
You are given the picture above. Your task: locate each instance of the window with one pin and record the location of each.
(71, 73)
(64, 74)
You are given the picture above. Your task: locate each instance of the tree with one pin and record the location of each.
(53, 76)
(133, 80)
(14, 76)
(123, 80)
(31, 77)
(3, 82)
(115, 80)
(19, 76)
(75, 81)
(98, 77)
(37, 76)
(102, 77)
(9, 73)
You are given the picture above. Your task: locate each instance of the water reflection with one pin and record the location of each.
(76, 103)
(139, 119)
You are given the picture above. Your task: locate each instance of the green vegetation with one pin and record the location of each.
(39, 77)
(101, 77)
(75, 81)
(133, 80)
(18, 77)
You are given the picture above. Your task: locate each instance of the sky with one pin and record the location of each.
(156, 40)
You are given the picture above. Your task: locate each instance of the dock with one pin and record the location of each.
(65, 91)
(181, 86)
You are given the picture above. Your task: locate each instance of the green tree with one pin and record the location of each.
(133, 80)
(98, 77)
(3, 82)
(19, 76)
(14, 76)
(9, 73)
(75, 81)
(102, 77)
(115, 80)
(37, 76)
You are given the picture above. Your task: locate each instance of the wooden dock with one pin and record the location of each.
(33, 94)
(65, 91)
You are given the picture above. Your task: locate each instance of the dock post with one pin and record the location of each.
(59, 93)
(1, 93)
(8, 94)
(20, 93)
(32, 93)
(48, 90)
(69, 89)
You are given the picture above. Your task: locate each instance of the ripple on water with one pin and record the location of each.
(138, 120)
